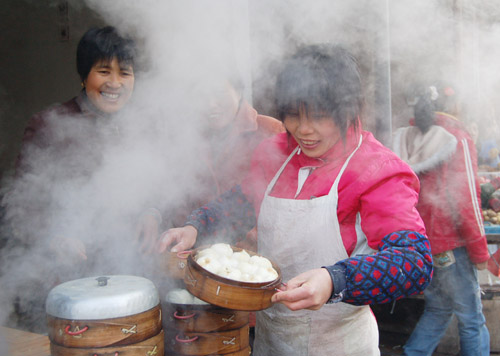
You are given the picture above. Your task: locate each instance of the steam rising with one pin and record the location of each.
(149, 156)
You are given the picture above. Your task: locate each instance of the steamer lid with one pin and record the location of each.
(103, 297)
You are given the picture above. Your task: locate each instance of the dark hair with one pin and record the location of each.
(102, 44)
(424, 113)
(321, 78)
(428, 100)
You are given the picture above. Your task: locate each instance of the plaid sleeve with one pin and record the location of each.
(230, 214)
(402, 267)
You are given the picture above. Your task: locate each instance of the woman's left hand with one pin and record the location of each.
(309, 290)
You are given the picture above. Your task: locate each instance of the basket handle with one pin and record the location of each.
(185, 341)
(184, 254)
(74, 333)
(183, 317)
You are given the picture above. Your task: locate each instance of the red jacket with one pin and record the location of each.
(373, 173)
(450, 196)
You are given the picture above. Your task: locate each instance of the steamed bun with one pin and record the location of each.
(220, 259)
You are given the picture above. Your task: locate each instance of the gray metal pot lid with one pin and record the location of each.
(102, 297)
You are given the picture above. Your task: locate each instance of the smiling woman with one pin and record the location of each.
(109, 85)
(65, 142)
(105, 63)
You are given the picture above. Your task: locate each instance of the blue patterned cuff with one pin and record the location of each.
(337, 273)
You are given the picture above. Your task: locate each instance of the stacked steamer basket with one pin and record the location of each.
(108, 315)
(215, 321)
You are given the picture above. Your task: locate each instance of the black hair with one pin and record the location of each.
(428, 100)
(424, 112)
(103, 44)
(321, 78)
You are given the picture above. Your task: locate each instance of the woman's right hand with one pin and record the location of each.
(184, 237)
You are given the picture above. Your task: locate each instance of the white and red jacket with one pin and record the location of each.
(445, 160)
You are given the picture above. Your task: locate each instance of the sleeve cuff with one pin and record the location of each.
(155, 213)
(337, 273)
(193, 223)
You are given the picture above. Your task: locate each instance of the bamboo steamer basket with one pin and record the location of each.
(103, 311)
(228, 293)
(175, 263)
(245, 352)
(154, 346)
(214, 343)
(203, 318)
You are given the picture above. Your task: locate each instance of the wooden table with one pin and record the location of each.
(23, 343)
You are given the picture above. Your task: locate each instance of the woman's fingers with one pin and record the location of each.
(309, 290)
(183, 237)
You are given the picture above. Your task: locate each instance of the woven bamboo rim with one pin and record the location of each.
(154, 346)
(107, 332)
(199, 344)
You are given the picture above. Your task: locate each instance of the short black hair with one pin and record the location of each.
(427, 99)
(322, 78)
(103, 44)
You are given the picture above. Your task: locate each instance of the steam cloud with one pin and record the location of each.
(155, 162)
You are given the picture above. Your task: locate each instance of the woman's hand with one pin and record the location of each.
(309, 290)
(184, 237)
(147, 233)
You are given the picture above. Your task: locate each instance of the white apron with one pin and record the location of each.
(301, 235)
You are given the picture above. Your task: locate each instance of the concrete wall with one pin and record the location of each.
(37, 63)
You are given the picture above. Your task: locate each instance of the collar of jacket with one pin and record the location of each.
(424, 151)
(246, 118)
(340, 150)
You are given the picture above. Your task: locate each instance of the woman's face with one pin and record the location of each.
(316, 133)
(223, 105)
(109, 85)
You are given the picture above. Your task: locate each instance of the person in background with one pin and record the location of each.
(233, 129)
(105, 64)
(64, 141)
(442, 153)
(335, 210)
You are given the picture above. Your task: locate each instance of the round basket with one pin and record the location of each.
(214, 343)
(103, 311)
(203, 318)
(228, 293)
(105, 332)
(153, 346)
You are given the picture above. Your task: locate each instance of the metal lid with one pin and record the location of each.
(104, 297)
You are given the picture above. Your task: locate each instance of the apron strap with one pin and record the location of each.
(337, 180)
(277, 175)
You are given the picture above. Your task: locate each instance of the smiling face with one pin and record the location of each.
(109, 85)
(316, 133)
(223, 105)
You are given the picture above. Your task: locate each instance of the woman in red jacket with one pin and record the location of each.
(442, 153)
(335, 209)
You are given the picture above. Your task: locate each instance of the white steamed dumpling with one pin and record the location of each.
(239, 266)
(222, 249)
